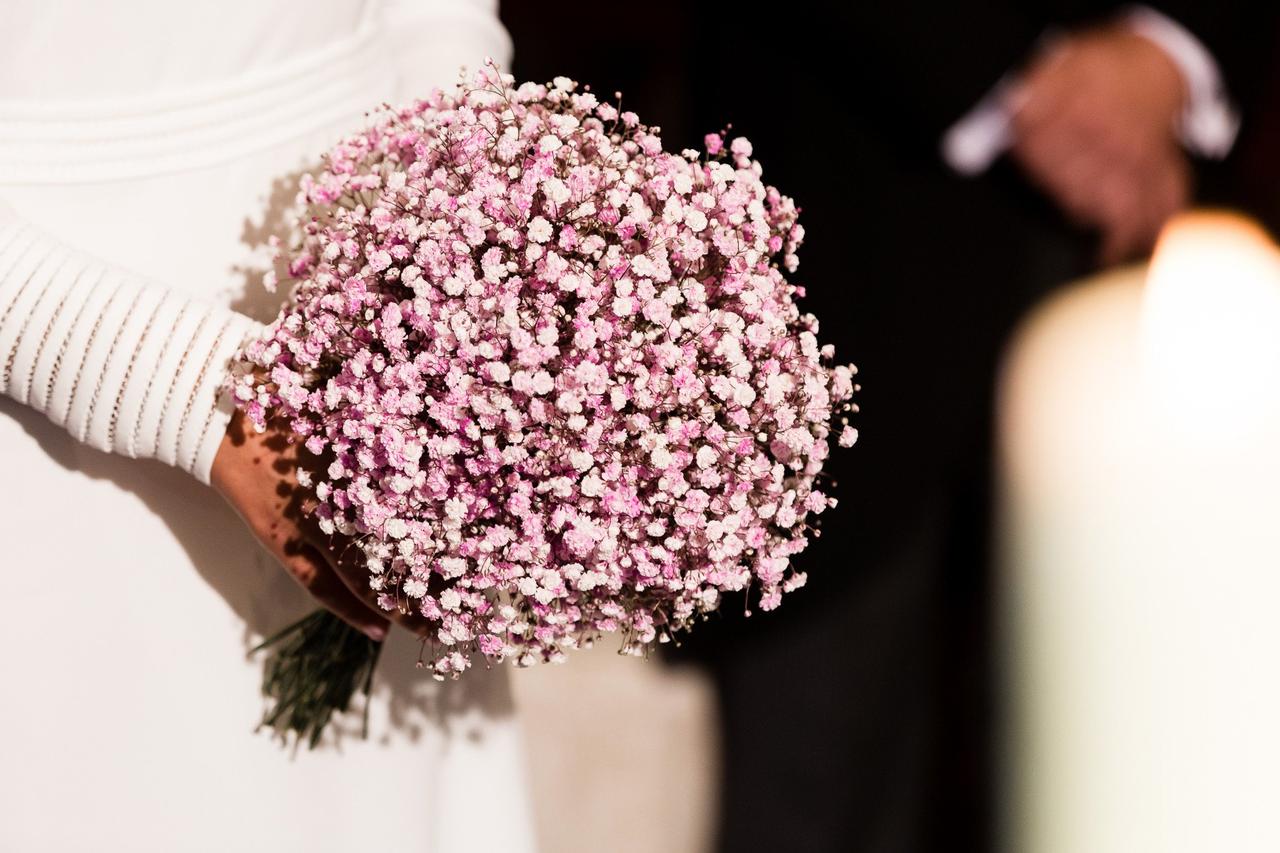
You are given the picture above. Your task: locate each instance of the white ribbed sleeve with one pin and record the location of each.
(124, 365)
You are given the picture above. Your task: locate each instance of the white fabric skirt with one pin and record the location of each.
(133, 592)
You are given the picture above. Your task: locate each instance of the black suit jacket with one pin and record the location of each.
(918, 275)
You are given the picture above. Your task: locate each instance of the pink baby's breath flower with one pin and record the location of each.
(558, 374)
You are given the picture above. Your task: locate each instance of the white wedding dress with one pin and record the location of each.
(145, 148)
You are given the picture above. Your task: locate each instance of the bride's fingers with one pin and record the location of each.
(257, 474)
(312, 570)
(348, 564)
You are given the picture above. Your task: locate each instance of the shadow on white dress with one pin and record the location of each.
(260, 593)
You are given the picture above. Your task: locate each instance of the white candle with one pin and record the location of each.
(1140, 531)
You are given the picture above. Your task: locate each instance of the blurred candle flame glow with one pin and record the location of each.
(1139, 535)
(1210, 328)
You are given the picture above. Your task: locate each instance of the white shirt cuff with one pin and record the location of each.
(974, 142)
(1209, 121)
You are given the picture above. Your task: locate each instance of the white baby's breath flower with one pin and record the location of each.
(543, 383)
(592, 486)
(706, 457)
(556, 190)
(451, 567)
(548, 335)
(569, 402)
(539, 230)
(499, 371)
(455, 509)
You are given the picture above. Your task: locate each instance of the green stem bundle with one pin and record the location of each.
(314, 667)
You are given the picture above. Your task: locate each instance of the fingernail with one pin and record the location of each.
(377, 634)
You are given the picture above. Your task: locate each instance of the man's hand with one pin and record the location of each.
(257, 474)
(1094, 128)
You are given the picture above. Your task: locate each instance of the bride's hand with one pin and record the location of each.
(256, 473)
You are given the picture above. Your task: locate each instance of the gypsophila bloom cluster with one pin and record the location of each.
(557, 374)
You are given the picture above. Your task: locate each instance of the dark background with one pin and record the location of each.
(877, 679)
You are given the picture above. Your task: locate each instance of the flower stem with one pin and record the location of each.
(314, 667)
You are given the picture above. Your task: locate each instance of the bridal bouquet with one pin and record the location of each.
(559, 379)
